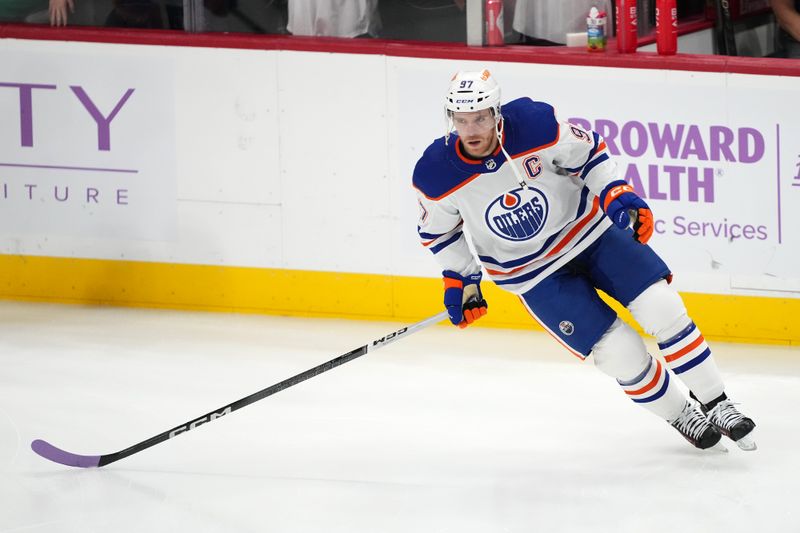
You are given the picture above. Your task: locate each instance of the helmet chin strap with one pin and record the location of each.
(499, 131)
(449, 115)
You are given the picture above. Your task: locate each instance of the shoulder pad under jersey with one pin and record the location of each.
(530, 125)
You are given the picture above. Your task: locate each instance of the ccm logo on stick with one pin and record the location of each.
(194, 423)
(389, 336)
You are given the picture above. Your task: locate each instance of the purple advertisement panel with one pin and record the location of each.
(724, 194)
(87, 145)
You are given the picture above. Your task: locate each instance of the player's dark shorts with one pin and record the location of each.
(566, 302)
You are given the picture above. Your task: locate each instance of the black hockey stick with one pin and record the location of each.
(48, 451)
(726, 37)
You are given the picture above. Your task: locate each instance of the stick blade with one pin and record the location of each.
(57, 455)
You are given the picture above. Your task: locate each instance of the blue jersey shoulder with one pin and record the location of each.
(529, 124)
(435, 175)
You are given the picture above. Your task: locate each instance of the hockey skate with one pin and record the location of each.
(731, 423)
(696, 428)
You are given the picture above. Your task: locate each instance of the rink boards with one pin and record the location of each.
(363, 296)
(278, 181)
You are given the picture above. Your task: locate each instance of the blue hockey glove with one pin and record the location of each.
(621, 205)
(463, 298)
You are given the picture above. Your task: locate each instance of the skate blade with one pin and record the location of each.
(747, 444)
(718, 447)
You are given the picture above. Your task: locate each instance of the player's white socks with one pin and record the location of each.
(621, 354)
(660, 311)
(655, 390)
(687, 354)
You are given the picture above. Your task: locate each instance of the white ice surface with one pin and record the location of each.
(444, 431)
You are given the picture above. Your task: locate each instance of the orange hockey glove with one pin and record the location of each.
(463, 298)
(622, 206)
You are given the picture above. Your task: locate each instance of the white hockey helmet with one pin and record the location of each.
(473, 91)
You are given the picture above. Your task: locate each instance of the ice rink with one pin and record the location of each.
(479, 430)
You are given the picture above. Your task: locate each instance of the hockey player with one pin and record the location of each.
(549, 220)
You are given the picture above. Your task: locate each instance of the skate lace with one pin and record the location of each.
(691, 422)
(725, 414)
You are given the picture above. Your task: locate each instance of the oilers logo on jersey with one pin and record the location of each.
(517, 215)
(566, 327)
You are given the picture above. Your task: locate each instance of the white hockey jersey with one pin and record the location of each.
(521, 234)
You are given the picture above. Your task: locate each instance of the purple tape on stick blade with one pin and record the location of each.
(48, 451)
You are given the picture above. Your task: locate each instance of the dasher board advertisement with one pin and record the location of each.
(86, 145)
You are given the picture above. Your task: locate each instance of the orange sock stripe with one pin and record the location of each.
(653, 382)
(686, 349)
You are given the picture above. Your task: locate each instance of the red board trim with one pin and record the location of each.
(453, 51)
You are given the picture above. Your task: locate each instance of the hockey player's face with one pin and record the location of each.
(477, 132)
